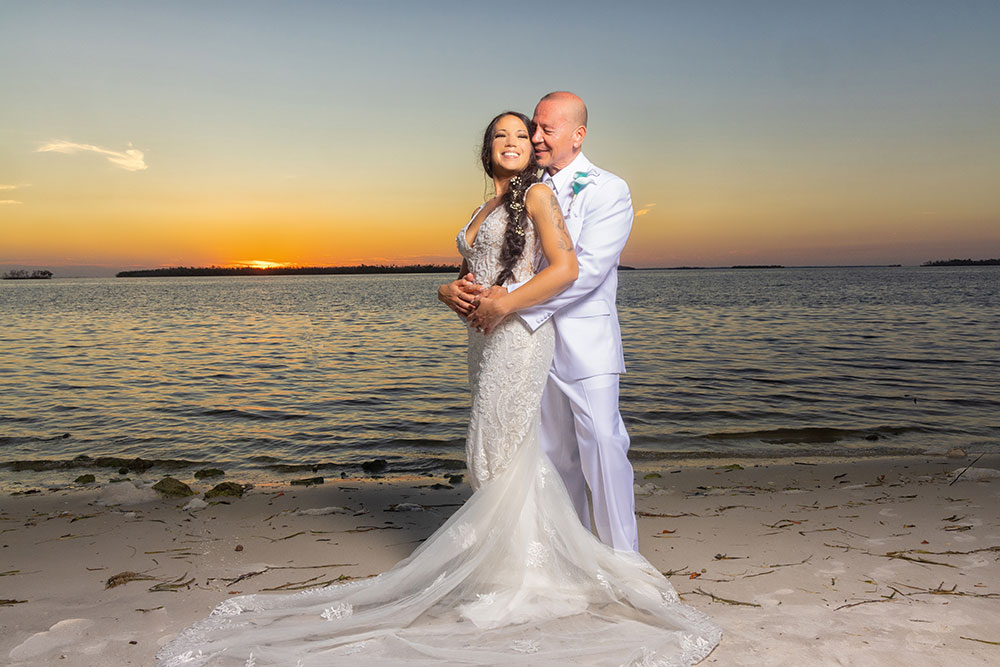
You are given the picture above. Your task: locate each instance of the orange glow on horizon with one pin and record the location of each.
(258, 264)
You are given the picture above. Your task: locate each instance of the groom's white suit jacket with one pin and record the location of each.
(599, 218)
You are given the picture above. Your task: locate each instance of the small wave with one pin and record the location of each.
(927, 360)
(18, 420)
(236, 413)
(261, 415)
(647, 455)
(85, 461)
(396, 465)
(812, 434)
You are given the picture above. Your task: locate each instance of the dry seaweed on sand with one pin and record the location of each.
(123, 578)
(301, 532)
(309, 583)
(269, 568)
(172, 586)
(10, 602)
(365, 529)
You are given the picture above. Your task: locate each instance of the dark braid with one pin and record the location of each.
(512, 199)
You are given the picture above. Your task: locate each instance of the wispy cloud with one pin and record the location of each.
(131, 159)
(13, 187)
(10, 201)
(644, 210)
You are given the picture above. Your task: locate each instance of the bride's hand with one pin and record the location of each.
(460, 295)
(490, 309)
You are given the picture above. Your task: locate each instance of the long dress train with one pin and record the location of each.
(512, 578)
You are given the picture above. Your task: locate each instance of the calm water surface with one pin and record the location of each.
(278, 376)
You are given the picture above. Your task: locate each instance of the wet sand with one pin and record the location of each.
(879, 562)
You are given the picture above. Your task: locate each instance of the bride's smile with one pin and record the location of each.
(511, 146)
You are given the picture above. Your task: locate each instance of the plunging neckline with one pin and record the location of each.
(465, 232)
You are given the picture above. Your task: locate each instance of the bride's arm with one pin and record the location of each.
(543, 209)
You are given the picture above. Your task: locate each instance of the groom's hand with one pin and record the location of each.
(460, 295)
(490, 309)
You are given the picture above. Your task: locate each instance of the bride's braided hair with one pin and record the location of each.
(512, 199)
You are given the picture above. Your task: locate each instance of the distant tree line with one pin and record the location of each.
(286, 270)
(963, 262)
(22, 274)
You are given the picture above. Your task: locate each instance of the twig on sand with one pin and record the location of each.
(959, 475)
(801, 562)
(899, 555)
(716, 598)
(292, 585)
(949, 553)
(940, 590)
(9, 603)
(365, 529)
(884, 598)
(759, 574)
(983, 641)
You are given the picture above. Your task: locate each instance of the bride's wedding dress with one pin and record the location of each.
(512, 578)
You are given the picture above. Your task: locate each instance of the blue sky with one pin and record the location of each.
(750, 132)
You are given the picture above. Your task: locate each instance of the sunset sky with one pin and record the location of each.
(141, 134)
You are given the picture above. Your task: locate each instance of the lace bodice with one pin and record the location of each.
(483, 256)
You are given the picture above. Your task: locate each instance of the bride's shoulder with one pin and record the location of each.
(538, 194)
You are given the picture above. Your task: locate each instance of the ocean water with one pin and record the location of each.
(283, 377)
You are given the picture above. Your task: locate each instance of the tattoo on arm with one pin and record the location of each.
(565, 241)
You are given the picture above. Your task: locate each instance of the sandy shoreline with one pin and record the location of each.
(877, 562)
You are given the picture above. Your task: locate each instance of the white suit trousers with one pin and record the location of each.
(584, 436)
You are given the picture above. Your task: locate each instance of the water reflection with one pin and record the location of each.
(336, 368)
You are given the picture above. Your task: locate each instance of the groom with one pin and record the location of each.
(582, 429)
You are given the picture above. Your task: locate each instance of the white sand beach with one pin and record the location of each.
(880, 562)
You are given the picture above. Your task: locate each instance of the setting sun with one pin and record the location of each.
(258, 264)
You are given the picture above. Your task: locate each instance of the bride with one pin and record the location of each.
(513, 577)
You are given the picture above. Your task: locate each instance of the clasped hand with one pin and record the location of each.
(481, 307)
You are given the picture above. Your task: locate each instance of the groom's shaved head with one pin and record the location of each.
(571, 105)
(560, 126)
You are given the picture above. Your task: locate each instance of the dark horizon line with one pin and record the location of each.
(448, 268)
